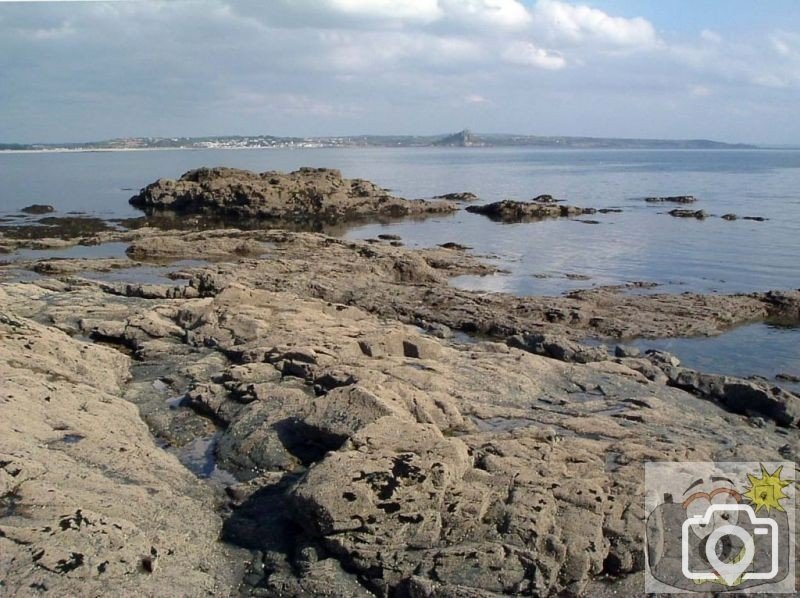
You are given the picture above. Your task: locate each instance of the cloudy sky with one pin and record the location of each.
(721, 69)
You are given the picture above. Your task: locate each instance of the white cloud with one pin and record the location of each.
(388, 14)
(360, 52)
(711, 36)
(579, 23)
(527, 54)
(475, 98)
(699, 91)
(786, 45)
(500, 13)
(339, 66)
(411, 10)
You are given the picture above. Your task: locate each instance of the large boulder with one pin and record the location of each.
(306, 194)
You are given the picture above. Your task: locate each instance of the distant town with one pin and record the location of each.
(463, 138)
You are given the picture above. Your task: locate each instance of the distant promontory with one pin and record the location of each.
(463, 138)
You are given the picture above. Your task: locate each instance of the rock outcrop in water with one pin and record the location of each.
(306, 194)
(38, 208)
(519, 211)
(464, 196)
(672, 199)
(681, 213)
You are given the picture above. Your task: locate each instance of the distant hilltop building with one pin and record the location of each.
(465, 138)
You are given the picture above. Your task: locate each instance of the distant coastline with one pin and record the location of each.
(464, 138)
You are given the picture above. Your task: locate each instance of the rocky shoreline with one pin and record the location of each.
(358, 442)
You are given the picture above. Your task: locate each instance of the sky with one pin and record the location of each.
(87, 70)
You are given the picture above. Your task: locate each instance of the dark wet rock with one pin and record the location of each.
(517, 211)
(774, 403)
(306, 194)
(730, 217)
(544, 198)
(787, 377)
(672, 199)
(755, 218)
(465, 196)
(783, 306)
(454, 246)
(584, 221)
(57, 227)
(681, 213)
(754, 398)
(56, 267)
(610, 210)
(388, 237)
(38, 209)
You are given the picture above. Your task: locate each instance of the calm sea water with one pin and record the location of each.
(642, 243)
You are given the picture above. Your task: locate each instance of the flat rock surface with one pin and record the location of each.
(412, 286)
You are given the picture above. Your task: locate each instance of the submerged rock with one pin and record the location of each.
(464, 196)
(517, 211)
(306, 194)
(38, 209)
(57, 227)
(672, 199)
(681, 213)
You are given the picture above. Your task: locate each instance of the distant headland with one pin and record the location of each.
(465, 138)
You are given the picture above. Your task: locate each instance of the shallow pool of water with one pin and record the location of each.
(754, 349)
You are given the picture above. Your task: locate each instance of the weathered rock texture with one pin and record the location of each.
(373, 456)
(89, 505)
(306, 194)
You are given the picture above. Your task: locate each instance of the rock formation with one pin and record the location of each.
(518, 211)
(306, 194)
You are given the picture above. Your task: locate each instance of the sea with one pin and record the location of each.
(640, 243)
